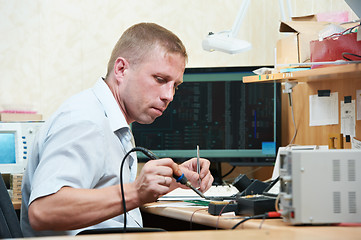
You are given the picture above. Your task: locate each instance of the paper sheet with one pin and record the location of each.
(348, 118)
(355, 143)
(180, 194)
(323, 110)
(176, 204)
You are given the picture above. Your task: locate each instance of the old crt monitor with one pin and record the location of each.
(16, 138)
(230, 121)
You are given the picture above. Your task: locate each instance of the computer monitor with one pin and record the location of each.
(230, 121)
(16, 138)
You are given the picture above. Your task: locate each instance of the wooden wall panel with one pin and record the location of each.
(316, 135)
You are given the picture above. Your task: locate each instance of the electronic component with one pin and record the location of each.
(16, 139)
(320, 186)
(218, 207)
(251, 200)
(254, 205)
(248, 205)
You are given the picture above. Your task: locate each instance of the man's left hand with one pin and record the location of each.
(189, 168)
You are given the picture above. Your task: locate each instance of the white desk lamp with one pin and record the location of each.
(226, 41)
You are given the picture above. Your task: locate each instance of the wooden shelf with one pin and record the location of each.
(346, 71)
(343, 79)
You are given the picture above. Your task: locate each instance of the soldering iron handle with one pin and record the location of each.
(177, 173)
(181, 179)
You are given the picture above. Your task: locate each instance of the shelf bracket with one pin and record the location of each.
(289, 86)
(288, 90)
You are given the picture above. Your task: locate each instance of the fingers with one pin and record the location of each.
(161, 167)
(190, 170)
(164, 180)
(206, 182)
(191, 164)
(205, 164)
(154, 180)
(205, 175)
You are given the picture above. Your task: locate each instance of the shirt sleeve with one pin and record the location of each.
(72, 155)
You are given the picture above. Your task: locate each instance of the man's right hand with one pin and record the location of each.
(155, 179)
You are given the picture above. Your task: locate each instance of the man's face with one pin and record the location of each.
(150, 86)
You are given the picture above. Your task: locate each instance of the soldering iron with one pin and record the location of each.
(177, 173)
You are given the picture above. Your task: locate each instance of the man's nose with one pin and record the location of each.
(168, 92)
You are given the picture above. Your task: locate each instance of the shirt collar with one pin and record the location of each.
(111, 107)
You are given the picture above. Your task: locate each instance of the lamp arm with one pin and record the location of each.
(237, 23)
(282, 9)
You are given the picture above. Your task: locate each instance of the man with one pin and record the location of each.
(72, 178)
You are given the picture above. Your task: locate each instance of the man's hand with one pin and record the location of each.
(189, 168)
(154, 180)
(156, 177)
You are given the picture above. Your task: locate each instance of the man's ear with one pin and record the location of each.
(120, 66)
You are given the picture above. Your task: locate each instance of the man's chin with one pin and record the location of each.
(147, 121)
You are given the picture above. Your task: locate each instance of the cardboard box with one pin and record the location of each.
(15, 117)
(295, 46)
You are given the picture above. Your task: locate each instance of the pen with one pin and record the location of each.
(198, 166)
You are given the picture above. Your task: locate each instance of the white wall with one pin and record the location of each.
(50, 50)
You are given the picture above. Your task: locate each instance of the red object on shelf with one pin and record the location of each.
(331, 49)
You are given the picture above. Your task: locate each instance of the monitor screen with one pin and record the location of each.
(16, 139)
(7, 149)
(229, 120)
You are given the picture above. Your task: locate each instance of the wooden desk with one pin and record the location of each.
(329, 233)
(272, 229)
(201, 216)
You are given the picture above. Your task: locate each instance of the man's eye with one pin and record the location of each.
(159, 79)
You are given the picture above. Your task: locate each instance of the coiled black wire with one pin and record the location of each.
(151, 156)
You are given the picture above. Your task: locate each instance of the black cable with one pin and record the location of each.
(229, 172)
(263, 216)
(273, 182)
(351, 54)
(248, 218)
(150, 155)
(180, 179)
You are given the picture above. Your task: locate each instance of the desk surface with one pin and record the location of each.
(329, 233)
(201, 216)
(272, 229)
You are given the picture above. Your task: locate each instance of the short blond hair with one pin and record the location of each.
(140, 39)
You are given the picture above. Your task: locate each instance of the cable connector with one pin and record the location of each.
(273, 214)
